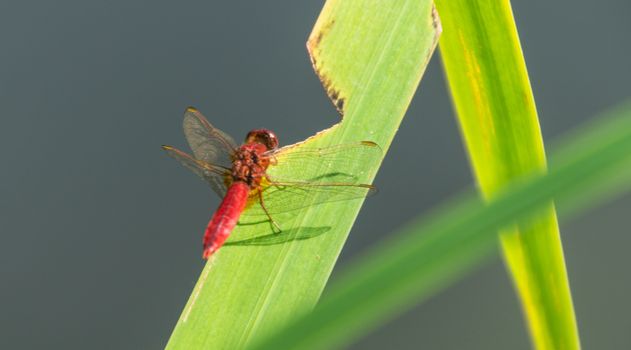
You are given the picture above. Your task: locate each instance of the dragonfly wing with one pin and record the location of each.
(290, 196)
(344, 163)
(208, 143)
(217, 177)
(291, 184)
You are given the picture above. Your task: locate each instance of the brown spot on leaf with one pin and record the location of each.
(340, 106)
(436, 20)
(333, 93)
(438, 29)
(318, 38)
(315, 41)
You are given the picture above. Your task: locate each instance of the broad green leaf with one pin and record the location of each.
(489, 83)
(370, 56)
(432, 252)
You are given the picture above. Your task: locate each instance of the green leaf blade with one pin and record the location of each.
(371, 56)
(489, 83)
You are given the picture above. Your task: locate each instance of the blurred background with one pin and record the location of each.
(101, 231)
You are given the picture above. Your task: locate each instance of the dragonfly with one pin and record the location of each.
(244, 176)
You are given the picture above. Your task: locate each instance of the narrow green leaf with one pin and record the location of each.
(491, 92)
(370, 55)
(431, 253)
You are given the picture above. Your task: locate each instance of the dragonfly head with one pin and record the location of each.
(264, 137)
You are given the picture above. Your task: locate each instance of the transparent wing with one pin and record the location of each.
(291, 184)
(217, 176)
(289, 196)
(343, 163)
(208, 143)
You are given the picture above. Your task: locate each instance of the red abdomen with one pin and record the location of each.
(226, 217)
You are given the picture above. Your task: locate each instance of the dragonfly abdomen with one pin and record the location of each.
(226, 217)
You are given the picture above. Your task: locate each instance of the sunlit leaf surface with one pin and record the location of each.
(370, 56)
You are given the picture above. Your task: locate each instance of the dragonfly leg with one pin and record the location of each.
(267, 213)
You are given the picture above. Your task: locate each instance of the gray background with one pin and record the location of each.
(101, 231)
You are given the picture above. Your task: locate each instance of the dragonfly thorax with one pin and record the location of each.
(250, 164)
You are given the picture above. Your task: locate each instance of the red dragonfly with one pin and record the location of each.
(242, 175)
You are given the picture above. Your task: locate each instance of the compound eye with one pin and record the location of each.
(263, 136)
(272, 140)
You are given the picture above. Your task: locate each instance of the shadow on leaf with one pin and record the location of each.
(297, 234)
